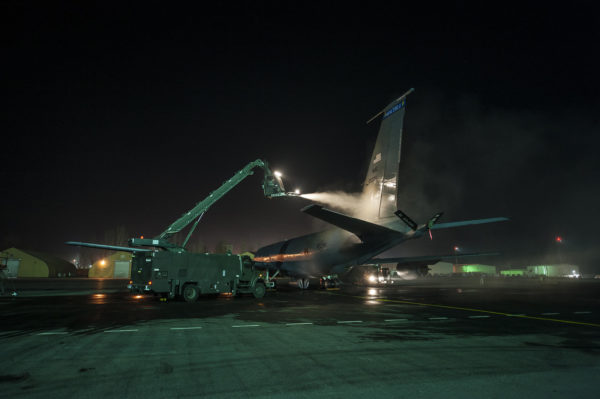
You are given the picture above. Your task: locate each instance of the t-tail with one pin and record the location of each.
(380, 188)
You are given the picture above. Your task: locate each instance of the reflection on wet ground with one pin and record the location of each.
(427, 334)
(537, 308)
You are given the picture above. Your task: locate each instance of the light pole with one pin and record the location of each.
(559, 242)
(456, 249)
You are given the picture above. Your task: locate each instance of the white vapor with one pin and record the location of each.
(355, 204)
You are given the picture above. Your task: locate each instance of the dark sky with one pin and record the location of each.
(127, 115)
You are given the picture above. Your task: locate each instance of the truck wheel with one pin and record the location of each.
(191, 292)
(259, 290)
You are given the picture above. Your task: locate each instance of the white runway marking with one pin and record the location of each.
(582, 312)
(297, 324)
(185, 328)
(479, 317)
(438, 318)
(247, 325)
(118, 331)
(53, 333)
(396, 320)
(349, 321)
(550, 314)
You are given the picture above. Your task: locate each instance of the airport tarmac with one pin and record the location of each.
(438, 338)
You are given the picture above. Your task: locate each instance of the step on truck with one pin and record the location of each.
(189, 275)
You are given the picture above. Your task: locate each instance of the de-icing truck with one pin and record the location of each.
(162, 267)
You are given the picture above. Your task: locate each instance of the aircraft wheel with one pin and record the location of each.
(259, 290)
(191, 293)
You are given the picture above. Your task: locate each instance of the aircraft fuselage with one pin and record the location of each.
(327, 252)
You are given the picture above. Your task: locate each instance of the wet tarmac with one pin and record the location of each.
(430, 338)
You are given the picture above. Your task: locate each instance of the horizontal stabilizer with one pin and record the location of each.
(103, 246)
(449, 225)
(408, 221)
(431, 259)
(434, 220)
(364, 230)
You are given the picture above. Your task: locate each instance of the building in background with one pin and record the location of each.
(481, 269)
(25, 263)
(441, 269)
(117, 265)
(513, 273)
(561, 270)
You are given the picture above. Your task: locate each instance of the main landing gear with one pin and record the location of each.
(303, 283)
(324, 282)
(329, 282)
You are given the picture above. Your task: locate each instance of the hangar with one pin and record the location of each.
(447, 269)
(26, 263)
(475, 268)
(556, 270)
(117, 265)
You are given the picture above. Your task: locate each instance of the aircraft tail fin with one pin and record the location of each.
(380, 185)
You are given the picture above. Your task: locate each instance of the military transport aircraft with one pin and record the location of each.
(377, 226)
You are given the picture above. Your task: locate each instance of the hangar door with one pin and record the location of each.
(121, 269)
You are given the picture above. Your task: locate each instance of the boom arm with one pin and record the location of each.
(272, 187)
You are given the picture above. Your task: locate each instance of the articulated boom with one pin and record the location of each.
(272, 187)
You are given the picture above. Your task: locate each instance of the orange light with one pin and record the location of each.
(130, 281)
(304, 255)
(138, 297)
(149, 282)
(141, 237)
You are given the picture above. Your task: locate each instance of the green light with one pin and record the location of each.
(513, 272)
(478, 269)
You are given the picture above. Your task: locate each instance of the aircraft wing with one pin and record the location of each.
(467, 223)
(364, 230)
(111, 247)
(431, 259)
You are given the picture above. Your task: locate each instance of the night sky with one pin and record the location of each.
(118, 115)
